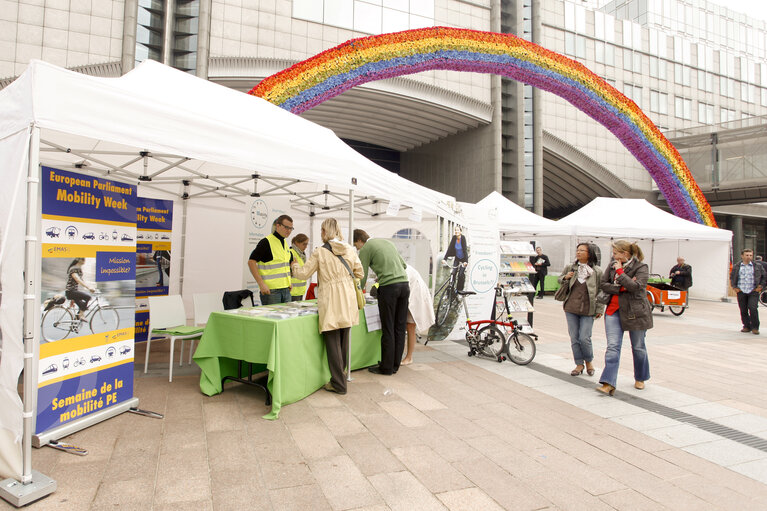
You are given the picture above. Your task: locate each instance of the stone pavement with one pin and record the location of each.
(451, 432)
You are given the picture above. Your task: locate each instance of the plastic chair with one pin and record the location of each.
(167, 318)
(204, 304)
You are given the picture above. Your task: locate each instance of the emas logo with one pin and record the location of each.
(120, 335)
(58, 250)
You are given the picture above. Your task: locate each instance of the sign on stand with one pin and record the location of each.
(88, 292)
(154, 219)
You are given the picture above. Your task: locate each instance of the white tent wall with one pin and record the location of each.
(14, 155)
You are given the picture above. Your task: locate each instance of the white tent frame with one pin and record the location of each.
(166, 171)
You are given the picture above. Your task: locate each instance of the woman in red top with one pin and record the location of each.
(625, 279)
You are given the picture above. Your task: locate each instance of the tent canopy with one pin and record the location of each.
(160, 123)
(636, 218)
(516, 219)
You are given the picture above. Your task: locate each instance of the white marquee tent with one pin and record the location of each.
(662, 236)
(515, 220)
(173, 134)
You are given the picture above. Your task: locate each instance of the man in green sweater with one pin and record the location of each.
(382, 257)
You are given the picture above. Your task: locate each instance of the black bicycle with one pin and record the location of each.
(447, 293)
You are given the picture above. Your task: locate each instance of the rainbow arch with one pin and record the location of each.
(357, 61)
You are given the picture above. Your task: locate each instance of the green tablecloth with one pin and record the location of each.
(291, 349)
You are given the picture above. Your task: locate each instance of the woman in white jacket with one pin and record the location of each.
(420, 311)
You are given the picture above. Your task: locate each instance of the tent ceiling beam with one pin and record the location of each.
(169, 166)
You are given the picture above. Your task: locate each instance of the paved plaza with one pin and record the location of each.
(450, 432)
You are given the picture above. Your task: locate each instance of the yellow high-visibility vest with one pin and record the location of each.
(276, 273)
(299, 286)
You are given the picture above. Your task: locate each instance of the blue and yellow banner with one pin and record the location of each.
(88, 296)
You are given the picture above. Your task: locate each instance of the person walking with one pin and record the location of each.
(747, 280)
(420, 313)
(337, 301)
(269, 263)
(625, 279)
(298, 253)
(541, 263)
(681, 274)
(583, 278)
(382, 257)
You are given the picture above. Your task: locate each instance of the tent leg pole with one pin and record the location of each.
(185, 197)
(351, 238)
(33, 485)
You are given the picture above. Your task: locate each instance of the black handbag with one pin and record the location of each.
(564, 290)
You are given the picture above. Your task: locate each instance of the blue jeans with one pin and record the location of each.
(579, 327)
(614, 332)
(276, 296)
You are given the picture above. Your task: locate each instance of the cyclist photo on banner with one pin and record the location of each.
(451, 279)
(74, 305)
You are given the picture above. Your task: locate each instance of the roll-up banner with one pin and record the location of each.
(88, 296)
(154, 219)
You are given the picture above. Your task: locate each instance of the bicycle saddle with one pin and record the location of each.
(465, 293)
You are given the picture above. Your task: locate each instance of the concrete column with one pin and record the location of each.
(496, 99)
(130, 13)
(738, 240)
(167, 40)
(203, 39)
(537, 119)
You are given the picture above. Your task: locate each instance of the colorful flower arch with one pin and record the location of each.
(328, 74)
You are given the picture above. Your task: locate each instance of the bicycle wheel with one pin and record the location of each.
(520, 348)
(763, 298)
(676, 310)
(443, 308)
(491, 340)
(56, 324)
(104, 320)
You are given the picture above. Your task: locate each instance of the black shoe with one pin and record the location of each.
(377, 370)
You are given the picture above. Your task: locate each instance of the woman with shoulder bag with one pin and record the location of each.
(625, 279)
(336, 297)
(581, 306)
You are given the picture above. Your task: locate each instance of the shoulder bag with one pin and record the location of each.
(564, 290)
(357, 290)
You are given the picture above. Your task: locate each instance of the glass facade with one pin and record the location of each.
(151, 27)
(368, 16)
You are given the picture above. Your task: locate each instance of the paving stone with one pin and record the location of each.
(468, 499)
(369, 454)
(314, 440)
(630, 500)
(279, 474)
(181, 487)
(405, 414)
(726, 452)
(402, 491)
(342, 483)
(299, 498)
(431, 469)
(340, 421)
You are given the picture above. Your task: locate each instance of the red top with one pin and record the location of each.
(612, 307)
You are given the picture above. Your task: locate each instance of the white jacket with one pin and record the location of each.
(420, 304)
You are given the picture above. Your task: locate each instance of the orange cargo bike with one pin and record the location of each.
(662, 295)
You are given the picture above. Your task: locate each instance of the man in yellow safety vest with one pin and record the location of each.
(269, 263)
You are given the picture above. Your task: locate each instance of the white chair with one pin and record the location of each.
(167, 318)
(204, 304)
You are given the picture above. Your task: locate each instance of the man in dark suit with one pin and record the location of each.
(681, 274)
(541, 264)
(747, 278)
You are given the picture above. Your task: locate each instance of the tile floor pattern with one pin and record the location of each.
(454, 433)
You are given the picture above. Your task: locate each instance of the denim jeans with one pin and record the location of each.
(579, 327)
(276, 296)
(614, 333)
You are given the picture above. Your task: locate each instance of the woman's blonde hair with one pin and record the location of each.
(331, 230)
(631, 248)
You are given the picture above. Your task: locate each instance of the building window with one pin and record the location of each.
(727, 115)
(367, 16)
(683, 108)
(633, 92)
(658, 102)
(150, 28)
(705, 113)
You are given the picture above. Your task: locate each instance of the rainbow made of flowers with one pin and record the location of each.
(328, 74)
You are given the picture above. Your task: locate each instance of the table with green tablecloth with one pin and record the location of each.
(291, 349)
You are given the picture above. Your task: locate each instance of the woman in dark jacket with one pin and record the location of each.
(625, 279)
(458, 249)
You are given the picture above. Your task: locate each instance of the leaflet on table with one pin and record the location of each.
(88, 257)
(372, 317)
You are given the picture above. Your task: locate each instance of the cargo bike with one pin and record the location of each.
(662, 295)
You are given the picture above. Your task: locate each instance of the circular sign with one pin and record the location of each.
(259, 213)
(484, 275)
